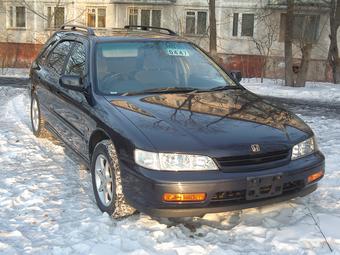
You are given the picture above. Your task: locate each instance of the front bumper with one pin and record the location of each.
(144, 188)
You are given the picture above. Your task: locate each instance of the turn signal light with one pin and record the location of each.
(315, 176)
(184, 197)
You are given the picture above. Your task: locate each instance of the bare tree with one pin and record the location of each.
(264, 41)
(304, 35)
(289, 75)
(50, 17)
(306, 52)
(40, 13)
(333, 53)
(213, 32)
(305, 40)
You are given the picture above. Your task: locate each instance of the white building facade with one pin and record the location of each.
(240, 24)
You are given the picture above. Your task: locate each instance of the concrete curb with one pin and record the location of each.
(303, 102)
(17, 82)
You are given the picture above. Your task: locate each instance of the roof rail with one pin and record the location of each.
(67, 27)
(149, 28)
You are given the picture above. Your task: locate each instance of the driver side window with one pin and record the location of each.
(76, 61)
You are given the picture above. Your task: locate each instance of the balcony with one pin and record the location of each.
(306, 4)
(153, 2)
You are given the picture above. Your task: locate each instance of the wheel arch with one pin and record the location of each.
(97, 136)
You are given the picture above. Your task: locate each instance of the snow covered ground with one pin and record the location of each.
(47, 206)
(14, 72)
(315, 91)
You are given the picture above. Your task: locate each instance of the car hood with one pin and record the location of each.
(223, 123)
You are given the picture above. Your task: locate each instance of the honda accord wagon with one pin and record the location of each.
(163, 128)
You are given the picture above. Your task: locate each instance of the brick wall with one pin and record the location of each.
(18, 54)
(22, 55)
(250, 66)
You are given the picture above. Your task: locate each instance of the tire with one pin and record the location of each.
(105, 170)
(37, 120)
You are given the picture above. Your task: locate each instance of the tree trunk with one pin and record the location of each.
(302, 75)
(264, 67)
(333, 53)
(289, 75)
(213, 33)
(337, 71)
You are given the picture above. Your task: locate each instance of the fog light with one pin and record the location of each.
(316, 176)
(184, 197)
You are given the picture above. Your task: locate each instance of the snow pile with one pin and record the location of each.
(14, 72)
(315, 91)
(47, 204)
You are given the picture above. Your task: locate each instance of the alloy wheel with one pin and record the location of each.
(35, 115)
(104, 181)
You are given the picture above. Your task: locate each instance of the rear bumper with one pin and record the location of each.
(144, 188)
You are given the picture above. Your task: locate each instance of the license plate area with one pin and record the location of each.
(264, 186)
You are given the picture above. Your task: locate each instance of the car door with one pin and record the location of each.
(48, 78)
(73, 105)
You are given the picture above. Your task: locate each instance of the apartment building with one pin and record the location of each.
(243, 27)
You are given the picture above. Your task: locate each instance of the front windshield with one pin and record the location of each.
(124, 67)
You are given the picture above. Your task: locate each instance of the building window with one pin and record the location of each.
(20, 16)
(133, 17)
(145, 17)
(305, 27)
(247, 25)
(17, 16)
(235, 24)
(55, 17)
(196, 22)
(96, 17)
(11, 17)
(156, 18)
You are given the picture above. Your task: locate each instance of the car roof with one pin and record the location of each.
(124, 34)
(136, 36)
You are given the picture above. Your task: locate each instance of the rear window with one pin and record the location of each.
(125, 51)
(137, 66)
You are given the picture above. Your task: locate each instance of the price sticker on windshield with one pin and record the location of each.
(177, 52)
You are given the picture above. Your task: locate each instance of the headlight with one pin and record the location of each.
(304, 148)
(173, 161)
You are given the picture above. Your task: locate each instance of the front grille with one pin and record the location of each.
(252, 159)
(229, 195)
(240, 195)
(291, 186)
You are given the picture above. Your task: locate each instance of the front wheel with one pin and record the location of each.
(106, 181)
(37, 121)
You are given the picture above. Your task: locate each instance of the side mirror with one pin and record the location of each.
(35, 65)
(236, 75)
(72, 82)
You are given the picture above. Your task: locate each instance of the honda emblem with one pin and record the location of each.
(255, 148)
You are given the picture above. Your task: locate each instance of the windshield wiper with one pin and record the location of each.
(225, 88)
(160, 90)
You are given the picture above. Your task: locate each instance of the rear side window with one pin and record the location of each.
(43, 57)
(58, 56)
(76, 62)
(49, 45)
